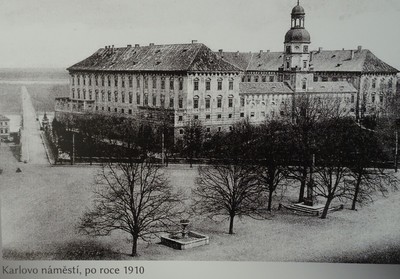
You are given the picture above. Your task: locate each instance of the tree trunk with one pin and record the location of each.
(356, 191)
(326, 208)
(270, 193)
(134, 247)
(231, 224)
(303, 184)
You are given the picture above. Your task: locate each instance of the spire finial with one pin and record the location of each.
(298, 2)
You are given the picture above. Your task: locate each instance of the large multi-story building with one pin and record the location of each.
(220, 88)
(4, 127)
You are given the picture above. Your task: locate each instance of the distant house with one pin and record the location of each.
(4, 127)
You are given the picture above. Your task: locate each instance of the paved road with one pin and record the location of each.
(32, 146)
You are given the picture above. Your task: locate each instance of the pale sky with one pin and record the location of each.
(59, 33)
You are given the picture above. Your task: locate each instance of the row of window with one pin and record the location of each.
(3, 123)
(296, 48)
(258, 79)
(208, 84)
(116, 96)
(208, 117)
(373, 99)
(3, 131)
(102, 81)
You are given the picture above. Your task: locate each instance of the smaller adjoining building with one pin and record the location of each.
(4, 127)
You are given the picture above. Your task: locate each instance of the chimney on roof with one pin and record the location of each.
(268, 51)
(137, 45)
(351, 54)
(151, 44)
(128, 45)
(319, 49)
(261, 52)
(342, 48)
(221, 53)
(194, 41)
(237, 53)
(359, 48)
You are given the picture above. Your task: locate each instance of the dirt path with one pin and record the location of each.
(32, 146)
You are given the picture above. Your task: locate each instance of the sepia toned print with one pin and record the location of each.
(179, 151)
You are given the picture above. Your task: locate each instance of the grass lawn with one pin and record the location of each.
(42, 205)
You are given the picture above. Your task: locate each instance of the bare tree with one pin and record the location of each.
(331, 167)
(227, 190)
(133, 197)
(273, 156)
(229, 186)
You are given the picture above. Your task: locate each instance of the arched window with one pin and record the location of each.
(123, 82)
(230, 101)
(116, 96)
(242, 102)
(73, 93)
(304, 84)
(231, 84)
(171, 84)
(163, 83)
(180, 102)
(90, 94)
(219, 87)
(130, 81)
(109, 96)
(96, 92)
(219, 101)
(123, 97)
(102, 96)
(374, 83)
(79, 93)
(196, 102)
(208, 102)
(137, 82)
(154, 100)
(180, 84)
(162, 100)
(196, 84)
(171, 101)
(84, 94)
(130, 97)
(208, 84)
(154, 82)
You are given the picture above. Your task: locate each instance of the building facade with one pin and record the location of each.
(4, 127)
(220, 88)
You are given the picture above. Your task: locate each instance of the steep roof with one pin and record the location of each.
(3, 118)
(323, 61)
(331, 87)
(341, 60)
(175, 57)
(264, 87)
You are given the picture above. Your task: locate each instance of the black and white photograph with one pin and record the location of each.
(230, 132)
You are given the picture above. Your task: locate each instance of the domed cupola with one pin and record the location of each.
(297, 33)
(296, 57)
(298, 10)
